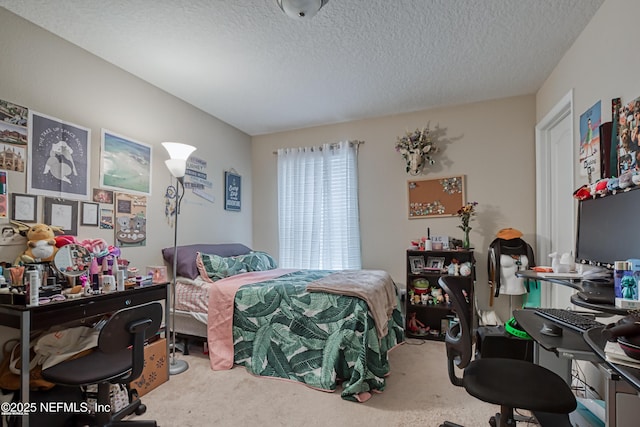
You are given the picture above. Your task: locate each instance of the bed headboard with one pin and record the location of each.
(187, 255)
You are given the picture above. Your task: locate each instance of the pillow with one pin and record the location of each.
(187, 267)
(258, 261)
(216, 267)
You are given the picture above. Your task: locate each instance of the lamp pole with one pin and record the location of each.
(177, 164)
(176, 366)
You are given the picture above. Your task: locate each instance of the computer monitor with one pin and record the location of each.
(609, 229)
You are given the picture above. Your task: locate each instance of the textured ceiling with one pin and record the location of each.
(247, 63)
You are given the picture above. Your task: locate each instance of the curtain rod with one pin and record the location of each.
(335, 144)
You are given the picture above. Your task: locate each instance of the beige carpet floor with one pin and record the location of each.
(418, 393)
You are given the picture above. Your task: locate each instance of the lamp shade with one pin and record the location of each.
(178, 153)
(301, 9)
(177, 167)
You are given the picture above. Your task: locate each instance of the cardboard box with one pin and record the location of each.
(156, 368)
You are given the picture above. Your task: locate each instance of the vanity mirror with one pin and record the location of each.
(72, 260)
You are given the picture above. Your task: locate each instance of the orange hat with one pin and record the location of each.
(508, 234)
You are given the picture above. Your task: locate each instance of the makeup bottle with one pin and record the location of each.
(34, 287)
(428, 245)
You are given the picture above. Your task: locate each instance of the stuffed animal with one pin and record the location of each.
(41, 243)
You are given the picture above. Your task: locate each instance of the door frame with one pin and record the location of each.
(559, 112)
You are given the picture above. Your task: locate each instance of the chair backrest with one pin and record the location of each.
(130, 327)
(459, 338)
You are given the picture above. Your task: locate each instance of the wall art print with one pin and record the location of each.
(232, 191)
(125, 164)
(627, 143)
(131, 220)
(590, 151)
(59, 158)
(62, 213)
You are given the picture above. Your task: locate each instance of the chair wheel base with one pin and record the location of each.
(141, 409)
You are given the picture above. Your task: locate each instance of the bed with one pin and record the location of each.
(318, 327)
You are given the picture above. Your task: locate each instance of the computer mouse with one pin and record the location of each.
(551, 330)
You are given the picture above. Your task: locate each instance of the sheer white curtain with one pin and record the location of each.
(318, 219)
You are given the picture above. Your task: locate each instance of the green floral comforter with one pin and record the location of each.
(320, 339)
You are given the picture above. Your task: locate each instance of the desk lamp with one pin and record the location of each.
(177, 165)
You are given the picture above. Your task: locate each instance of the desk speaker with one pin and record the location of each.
(494, 341)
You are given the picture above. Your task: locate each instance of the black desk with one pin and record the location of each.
(30, 319)
(595, 340)
(575, 299)
(570, 344)
(587, 346)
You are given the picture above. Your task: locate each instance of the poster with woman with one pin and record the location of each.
(58, 159)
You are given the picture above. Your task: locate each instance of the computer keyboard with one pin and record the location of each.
(568, 319)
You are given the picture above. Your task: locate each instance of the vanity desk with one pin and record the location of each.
(29, 319)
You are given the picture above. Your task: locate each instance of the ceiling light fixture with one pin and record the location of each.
(301, 9)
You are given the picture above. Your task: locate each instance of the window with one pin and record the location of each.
(318, 219)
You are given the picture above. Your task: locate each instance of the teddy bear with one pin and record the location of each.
(41, 244)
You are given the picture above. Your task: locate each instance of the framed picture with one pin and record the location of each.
(125, 164)
(103, 196)
(59, 158)
(439, 197)
(131, 220)
(435, 262)
(62, 213)
(89, 214)
(417, 264)
(232, 191)
(589, 160)
(4, 195)
(24, 207)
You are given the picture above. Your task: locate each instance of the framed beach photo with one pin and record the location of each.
(62, 213)
(125, 164)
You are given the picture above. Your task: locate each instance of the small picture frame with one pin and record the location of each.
(24, 207)
(62, 213)
(435, 262)
(232, 191)
(89, 214)
(417, 264)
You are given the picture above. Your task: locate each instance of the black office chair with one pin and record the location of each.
(510, 383)
(118, 358)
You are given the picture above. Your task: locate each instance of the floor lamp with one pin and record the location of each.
(177, 165)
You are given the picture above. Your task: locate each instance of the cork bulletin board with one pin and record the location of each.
(436, 197)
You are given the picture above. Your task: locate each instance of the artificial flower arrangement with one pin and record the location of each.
(466, 214)
(417, 148)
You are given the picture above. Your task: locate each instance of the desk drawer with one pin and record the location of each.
(59, 313)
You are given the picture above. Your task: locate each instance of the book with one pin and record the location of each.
(615, 354)
(605, 149)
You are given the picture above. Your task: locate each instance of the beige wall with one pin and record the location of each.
(491, 143)
(600, 65)
(49, 75)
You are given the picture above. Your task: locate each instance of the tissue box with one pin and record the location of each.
(156, 371)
